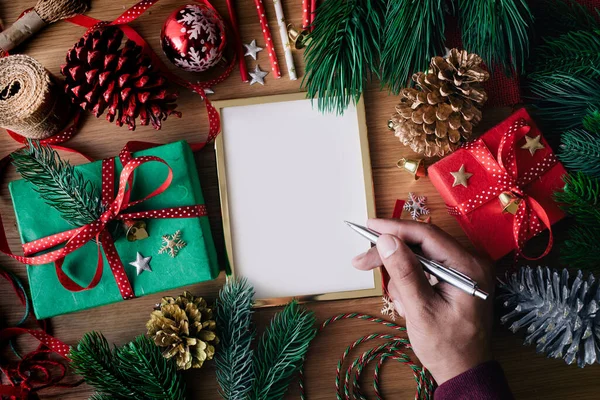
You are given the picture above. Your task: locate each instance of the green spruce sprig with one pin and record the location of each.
(137, 370)
(562, 101)
(233, 314)
(343, 51)
(413, 34)
(574, 53)
(557, 17)
(281, 351)
(59, 183)
(581, 248)
(591, 122)
(497, 30)
(580, 151)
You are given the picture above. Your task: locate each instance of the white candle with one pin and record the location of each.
(289, 60)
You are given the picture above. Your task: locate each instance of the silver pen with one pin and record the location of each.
(442, 273)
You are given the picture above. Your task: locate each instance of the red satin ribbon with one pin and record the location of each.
(131, 15)
(116, 205)
(504, 166)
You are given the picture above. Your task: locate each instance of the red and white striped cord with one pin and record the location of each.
(260, 9)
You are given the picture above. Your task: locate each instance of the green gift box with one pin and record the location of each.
(196, 262)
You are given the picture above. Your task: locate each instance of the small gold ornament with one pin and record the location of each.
(510, 202)
(533, 144)
(172, 244)
(185, 329)
(298, 39)
(461, 177)
(135, 230)
(414, 166)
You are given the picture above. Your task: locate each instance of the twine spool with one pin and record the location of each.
(31, 102)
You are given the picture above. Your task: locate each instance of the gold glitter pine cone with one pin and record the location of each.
(185, 329)
(437, 116)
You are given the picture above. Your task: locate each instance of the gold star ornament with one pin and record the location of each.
(533, 144)
(461, 177)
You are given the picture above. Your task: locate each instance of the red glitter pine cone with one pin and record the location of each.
(101, 76)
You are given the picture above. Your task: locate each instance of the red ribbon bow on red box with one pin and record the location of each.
(530, 215)
(115, 207)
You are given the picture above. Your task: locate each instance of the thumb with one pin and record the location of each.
(406, 273)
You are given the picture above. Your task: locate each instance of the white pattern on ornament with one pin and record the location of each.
(195, 61)
(197, 22)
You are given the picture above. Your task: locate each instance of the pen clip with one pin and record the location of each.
(466, 277)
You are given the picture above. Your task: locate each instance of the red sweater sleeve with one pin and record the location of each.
(484, 382)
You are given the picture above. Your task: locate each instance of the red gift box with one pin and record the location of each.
(499, 164)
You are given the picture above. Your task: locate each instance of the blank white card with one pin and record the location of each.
(293, 175)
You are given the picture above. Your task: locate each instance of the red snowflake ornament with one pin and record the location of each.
(193, 37)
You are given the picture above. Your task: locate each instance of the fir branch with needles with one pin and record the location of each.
(59, 183)
(591, 122)
(580, 151)
(562, 101)
(343, 51)
(574, 53)
(137, 370)
(497, 30)
(413, 33)
(281, 351)
(581, 248)
(557, 17)
(233, 314)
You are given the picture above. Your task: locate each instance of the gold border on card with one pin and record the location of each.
(370, 197)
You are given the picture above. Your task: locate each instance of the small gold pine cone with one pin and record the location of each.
(437, 116)
(185, 329)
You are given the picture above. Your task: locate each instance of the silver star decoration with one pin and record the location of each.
(141, 263)
(252, 49)
(258, 76)
(172, 244)
(416, 205)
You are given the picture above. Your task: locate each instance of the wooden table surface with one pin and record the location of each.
(531, 376)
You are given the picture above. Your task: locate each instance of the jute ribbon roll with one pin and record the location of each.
(31, 102)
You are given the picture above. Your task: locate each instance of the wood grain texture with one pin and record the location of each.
(531, 376)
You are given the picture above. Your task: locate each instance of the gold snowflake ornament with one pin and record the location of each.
(388, 309)
(172, 244)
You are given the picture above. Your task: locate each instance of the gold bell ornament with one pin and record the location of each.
(414, 166)
(297, 39)
(135, 230)
(510, 202)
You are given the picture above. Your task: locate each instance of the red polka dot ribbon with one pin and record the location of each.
(115, 204)
(131, 15)
(531, 218)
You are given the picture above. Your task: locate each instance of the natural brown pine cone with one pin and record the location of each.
(439, 114)
(184, 327)
(103, 76)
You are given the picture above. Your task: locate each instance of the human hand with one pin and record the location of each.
(448, 329)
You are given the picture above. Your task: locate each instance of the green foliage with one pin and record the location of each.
(137, 370)
(413, 33)
(574, 53)
(233, 313)
(557, 17)
(58, 183)
(580, 151)
(562, 101)
(591, 121)
(497, 30)
(582, 247)
(281, 351)
(344, 46)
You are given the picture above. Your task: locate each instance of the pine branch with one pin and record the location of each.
(580, 198)
(557, 17)
(574, 53)
(562, 101)
(580, 151)
(591, 122)
(281, 351)
(233, 313)
(136, 371)
(344, 46)
(96, 362)
(144, 366)
(582, 247)
(497, 30)
(413, 34)
(59, 183)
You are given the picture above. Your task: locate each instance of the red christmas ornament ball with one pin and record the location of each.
(193, 37)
